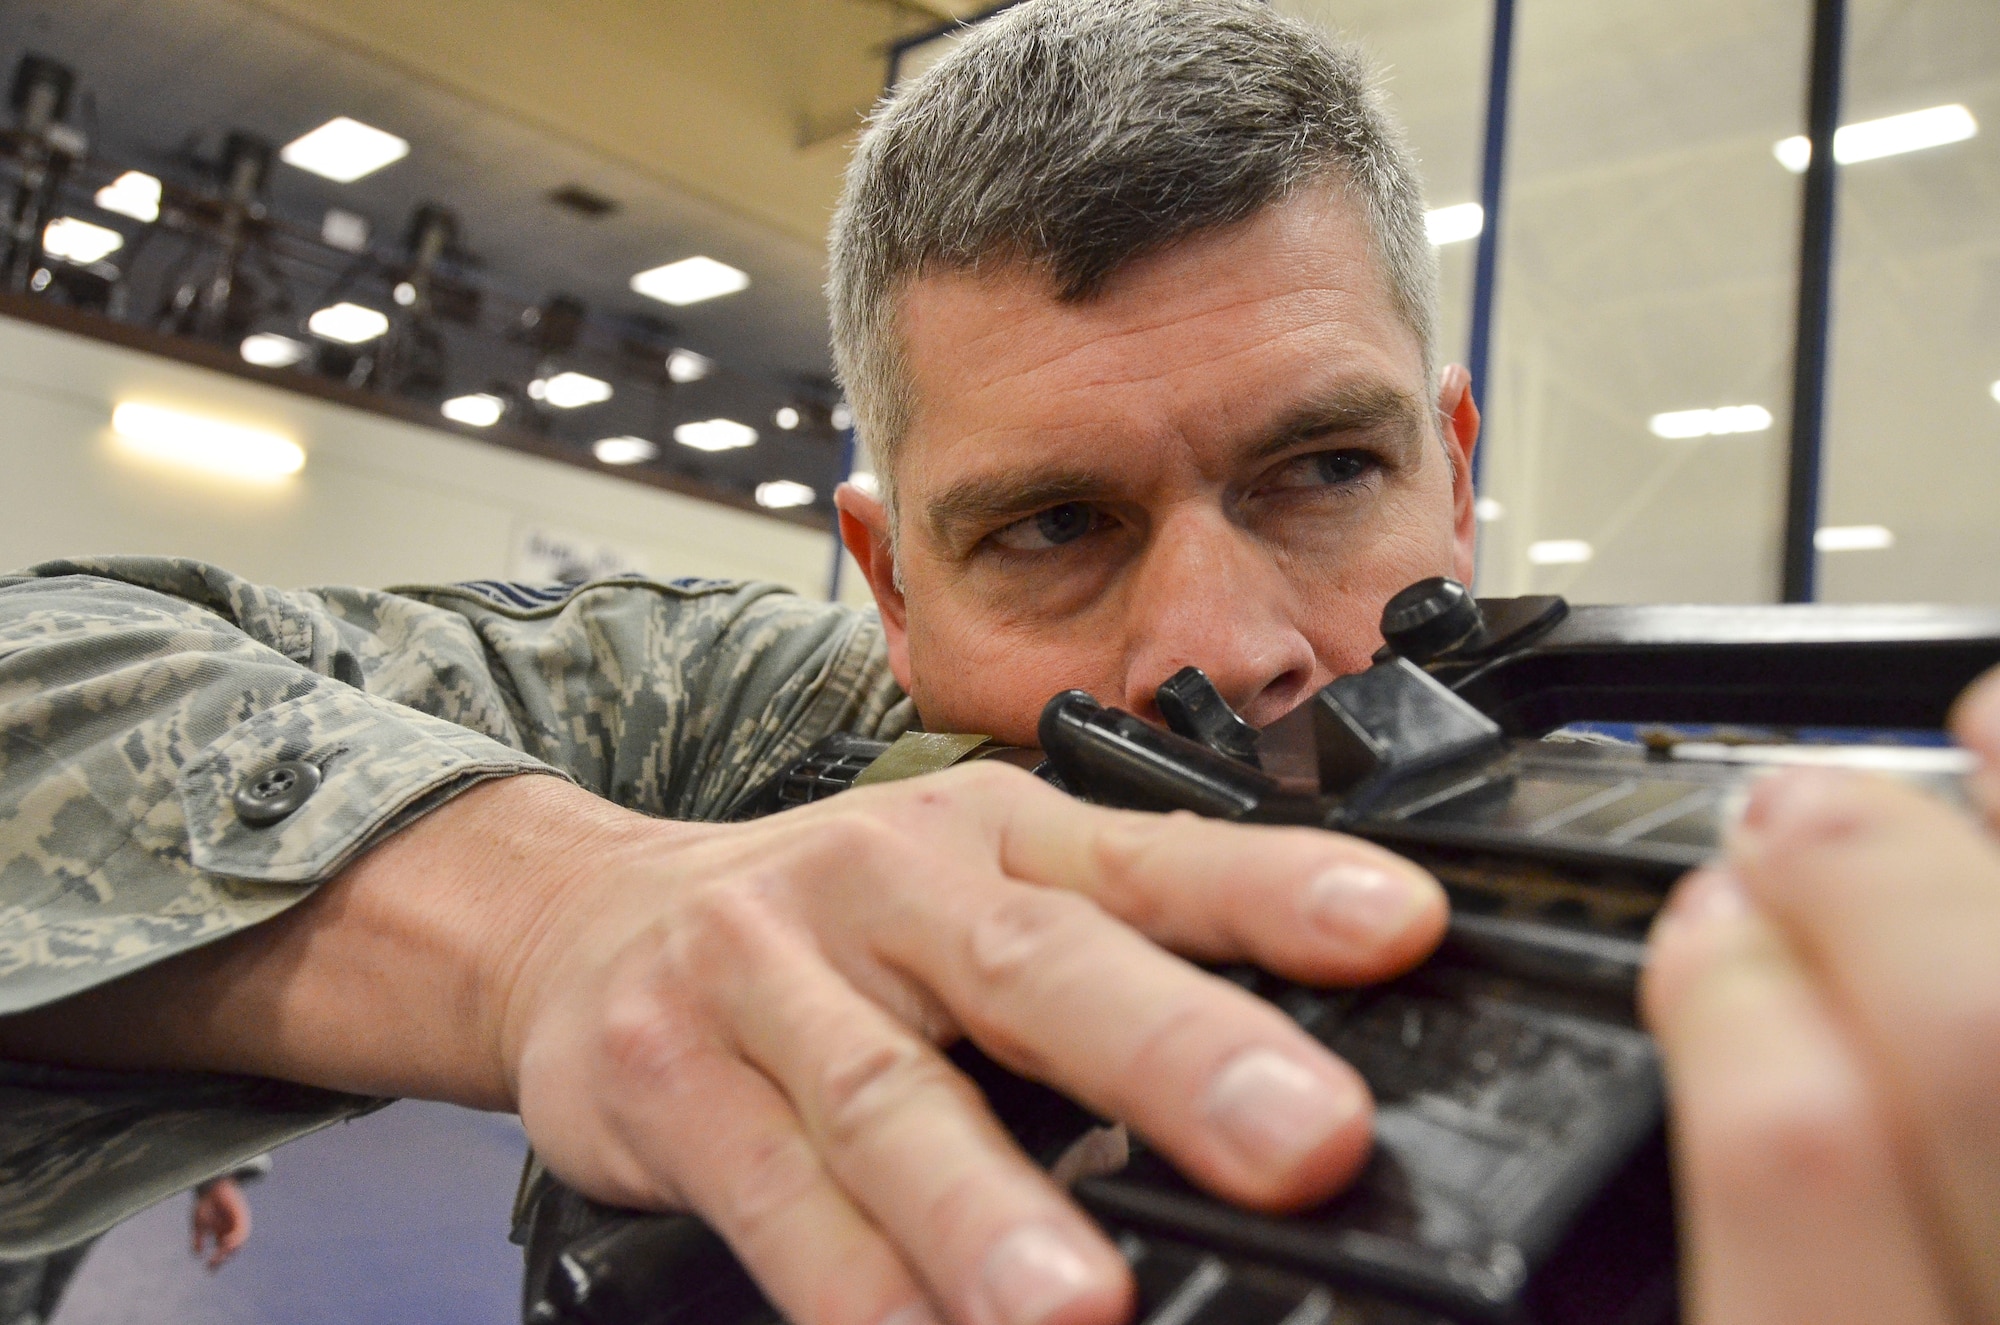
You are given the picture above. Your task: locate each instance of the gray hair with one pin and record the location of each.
(1078, 135)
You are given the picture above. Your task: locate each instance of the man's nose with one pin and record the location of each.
(1209, 594)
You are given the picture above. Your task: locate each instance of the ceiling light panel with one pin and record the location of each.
(1722, 421)
(715, 435)
(623, 450)
(1853, 538)
(570, 390)
(1560, 552)
(1451, 225)
(686, 366)
(134, 194)
(480, 410)
(350, 324)
(781, 493)
(1892, 135)
(267, 349)
(79, 241)
(690, 281)
(343, 150)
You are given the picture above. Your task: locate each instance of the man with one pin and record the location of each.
(1133, 303)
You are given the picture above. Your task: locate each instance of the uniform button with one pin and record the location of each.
(265, 797)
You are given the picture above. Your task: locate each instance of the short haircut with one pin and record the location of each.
(1076, 136)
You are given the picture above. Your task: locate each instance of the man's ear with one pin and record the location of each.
(1458, 415)
(864, 528)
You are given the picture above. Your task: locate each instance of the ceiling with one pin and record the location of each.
(1648, 239)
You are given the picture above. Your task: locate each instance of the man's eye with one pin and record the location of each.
(1051, 528)
(1322, 469)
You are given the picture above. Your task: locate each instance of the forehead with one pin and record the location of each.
(1208, 339)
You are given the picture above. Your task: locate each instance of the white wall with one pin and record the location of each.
(379, 502)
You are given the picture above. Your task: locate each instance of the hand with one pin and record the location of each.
(221, 1221)
(745, 1021)
(1827, 998)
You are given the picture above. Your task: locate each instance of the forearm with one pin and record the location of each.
(392, 979)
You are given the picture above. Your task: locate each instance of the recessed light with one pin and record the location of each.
(786, 418)
(1559, 552)
(782, 492)
(1852, 538)
(1723, 420)
(344, 230)
(350, 324)
(343, 150)
(686, 366)
(404, 294)
(1486, 510)
(570, 390)
(841, 417)
(715, 435)
(267, 349)
(690, 281)
(623, 450)
(481, 410)
(79, 241)
(134, 194)
(193, 442)
(1449, 225)
(1892, 135)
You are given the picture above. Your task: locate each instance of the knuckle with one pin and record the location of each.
(863, 1093)
(775, 1176)
(1018, 935)
(722, 929)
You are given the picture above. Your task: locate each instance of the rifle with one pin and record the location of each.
(1520, 1172)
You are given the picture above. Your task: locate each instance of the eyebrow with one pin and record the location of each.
(992, 500)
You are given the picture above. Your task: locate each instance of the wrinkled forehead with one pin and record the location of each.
(1218, 333)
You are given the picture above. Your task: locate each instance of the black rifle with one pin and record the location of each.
(1520, 1172)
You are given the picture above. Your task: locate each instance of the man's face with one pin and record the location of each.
(1226, 459)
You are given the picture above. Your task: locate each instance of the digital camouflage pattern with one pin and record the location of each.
(136, 694)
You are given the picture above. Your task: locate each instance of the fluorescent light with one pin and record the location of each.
(782, 492)
(1891, 135)
(1449, 225)
(715, 435)
(79, 241)
(350, 324)
(344, 230)
(134, 194)
(687, 366)
(194, 442)
(343, 150)
(1486, 510)
(1852, 538)
(623, 450)
(267, 349)
(786, 418)
(570, 390)
(1559, 552)
(690, 281)
(1718, 422)
(1996, 391)
(474, 411)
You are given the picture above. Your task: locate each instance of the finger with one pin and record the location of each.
(1975, 721)
(912, 1141)
(1052, 987)
(1307, 904)
(1792, 1206)
(1893, 899)
(744, 1164)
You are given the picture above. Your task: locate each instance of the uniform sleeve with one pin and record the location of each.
(184, 754)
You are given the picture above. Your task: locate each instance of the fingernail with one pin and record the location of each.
(1363, 904)
(1032, 1273)
(1276, 1112)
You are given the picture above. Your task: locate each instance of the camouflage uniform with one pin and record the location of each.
(137, 695)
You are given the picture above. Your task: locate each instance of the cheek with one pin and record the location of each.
(969, 675)
(1345, 581)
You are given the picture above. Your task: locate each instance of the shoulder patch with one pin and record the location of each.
(521, 597)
